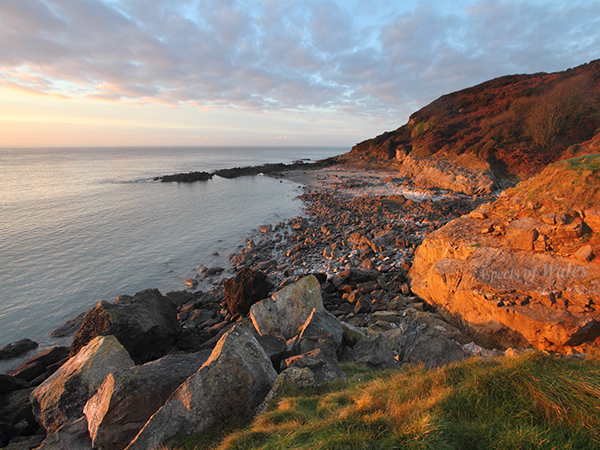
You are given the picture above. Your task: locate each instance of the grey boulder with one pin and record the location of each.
(233, 382)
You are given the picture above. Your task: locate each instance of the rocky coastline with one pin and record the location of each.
(331, 285)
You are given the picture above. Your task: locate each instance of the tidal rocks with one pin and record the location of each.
(128, 398)
(145, 324)
(17, 348)
(234, 381)
(246, 288)
(288, 309)
(190, 177)
(61, 398)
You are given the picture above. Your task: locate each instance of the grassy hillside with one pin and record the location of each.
(532, 401)
(517, 123)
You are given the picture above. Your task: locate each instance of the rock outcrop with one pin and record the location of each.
(511, 272)
(233, 381)
(440, 172)
(61, 398)
(145, 324)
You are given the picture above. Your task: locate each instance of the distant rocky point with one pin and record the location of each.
(266, 169)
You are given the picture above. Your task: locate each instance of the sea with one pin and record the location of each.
(80, 225)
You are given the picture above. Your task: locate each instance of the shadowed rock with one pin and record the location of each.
(61, 398)
(128, 398)
(145, 324)
(233, 382)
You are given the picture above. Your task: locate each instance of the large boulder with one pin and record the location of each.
(503, 297)
(61, 398)
(233, 382)
(246, 288)
(128, 398)
(288, 309)
(145, 324)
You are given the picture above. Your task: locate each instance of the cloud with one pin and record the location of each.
(279, 55)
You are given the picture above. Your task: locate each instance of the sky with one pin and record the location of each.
(262, 72)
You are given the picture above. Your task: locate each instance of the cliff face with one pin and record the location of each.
(523, 271)
(512, 126)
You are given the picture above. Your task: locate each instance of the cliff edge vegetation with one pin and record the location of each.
(512, 126)
(527, 401)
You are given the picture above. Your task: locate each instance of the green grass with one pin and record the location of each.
(532, 401)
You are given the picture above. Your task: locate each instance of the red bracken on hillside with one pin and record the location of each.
(517, 124)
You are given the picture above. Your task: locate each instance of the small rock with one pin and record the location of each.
(585, 253)
(17, 348)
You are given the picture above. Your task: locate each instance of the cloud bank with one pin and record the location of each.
(364, 58)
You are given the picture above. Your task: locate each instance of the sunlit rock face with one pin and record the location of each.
(522, 271)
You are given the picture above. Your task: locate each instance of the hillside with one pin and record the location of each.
(514, 125)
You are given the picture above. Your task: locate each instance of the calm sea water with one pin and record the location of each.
(82, 225)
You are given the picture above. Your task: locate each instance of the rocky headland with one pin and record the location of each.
(411, 250)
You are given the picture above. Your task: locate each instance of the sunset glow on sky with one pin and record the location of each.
(262, 72)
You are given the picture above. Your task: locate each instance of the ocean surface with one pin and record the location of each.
(82, 225)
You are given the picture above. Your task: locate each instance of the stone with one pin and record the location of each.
(322, 323)
(61, 398)
(72, 436)
(145, 324)
(289, 308)
(128, 398)
(374, 352)
(592, 219)
(232, 382)
(246, 288)
(585, 253)
(266, 229)
(322, 364)
(38, 365)
(522, 233)
(422, 344)
(17, 348)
